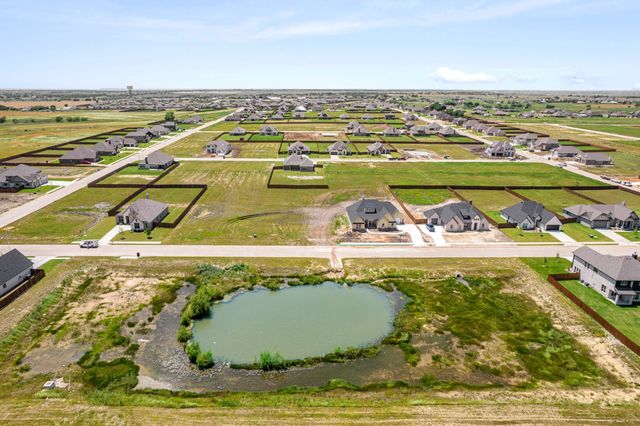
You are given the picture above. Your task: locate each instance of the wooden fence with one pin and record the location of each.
(554, 280)
(37, 275)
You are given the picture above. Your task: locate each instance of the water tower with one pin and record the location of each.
(130, 90)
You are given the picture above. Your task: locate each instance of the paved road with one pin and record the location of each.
(25, 209)
(325, 252)
(631, 138)
(336, 159)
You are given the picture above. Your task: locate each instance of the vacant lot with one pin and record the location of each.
(191, 146)
(490, 202)
(614, 196)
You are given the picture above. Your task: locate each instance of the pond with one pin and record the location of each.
(297, 322)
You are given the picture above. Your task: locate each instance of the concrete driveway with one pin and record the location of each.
(414, 232)
(437, 235)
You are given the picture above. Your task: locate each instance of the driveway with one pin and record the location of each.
(613, 236)
(436, 235)
(414, 232)
(561, 236)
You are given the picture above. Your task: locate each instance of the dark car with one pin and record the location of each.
(430, 227)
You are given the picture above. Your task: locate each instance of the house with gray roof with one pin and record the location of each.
(344, 116)
(433, 127)
(22, 176)
(500, 149)
(218, 147)
(14, 269)
(543, 144)
(373, 214)
(105, 148)
(457, 217)
(156, 160)
(116, 141)
(410, 117)
(196, 119)
(367, 117)
(159, 130)
(377, 148)
(339, 148)
(80, 155)
(617, 278)
(524, 139)
(447, 131)
(565, 151)
(298, 148)
(143, 214)
(323, 115)
(529, 215)
(268, 130)
(139, 136)
(360, 130)
(297, 162)
(170, 125)
(389, 116)
(129, 142)
(391, 131)
(494, 131)
(297, 114)
(419, 131)
(238, 131)
(604, 216)
(594, 159)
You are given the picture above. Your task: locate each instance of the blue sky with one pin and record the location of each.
(376, 44)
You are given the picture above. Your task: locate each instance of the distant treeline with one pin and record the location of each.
(58, 119)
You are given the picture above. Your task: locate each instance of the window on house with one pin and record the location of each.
(603, 288)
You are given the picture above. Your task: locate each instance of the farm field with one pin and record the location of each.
(276, 216)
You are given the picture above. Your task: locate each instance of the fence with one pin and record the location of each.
(554, 280)
(285, 186)
(37, 275)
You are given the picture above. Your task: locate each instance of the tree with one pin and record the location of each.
(52, 108)
(204, 360)
(59, 119)
(3, 119)
(169, 116)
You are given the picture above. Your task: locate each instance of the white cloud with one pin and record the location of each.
(524, 78)
(636, 86)
(457, 76)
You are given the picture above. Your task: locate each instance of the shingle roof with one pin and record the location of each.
(528, 209)
(591, 211)
(158, 157)
(23, 171)
(372, 209)
(462, 210)
(620, 268)
(146, 210)
(11, 264)
(298, 160)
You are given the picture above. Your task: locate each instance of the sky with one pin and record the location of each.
(327, 44)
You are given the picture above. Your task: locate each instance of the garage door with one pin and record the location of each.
(553, 227)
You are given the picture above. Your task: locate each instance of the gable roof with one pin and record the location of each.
(298, 160)
(620, 268)
(11, 264)
(79, 153)
(297, 145)
(158, 157)
(528, 209)
(592, 211)
(463, 210)
(371, 209)
(338, 146)
(21, 171)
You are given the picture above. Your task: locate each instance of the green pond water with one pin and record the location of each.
(297, 322)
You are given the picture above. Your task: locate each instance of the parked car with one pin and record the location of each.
(89, 244)
(430, 228)
(627, 183)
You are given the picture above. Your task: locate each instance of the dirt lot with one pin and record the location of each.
(491, 236)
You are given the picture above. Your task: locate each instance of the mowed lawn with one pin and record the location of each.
(615, 196)
(521, 236)
(554, 200)
(238, 204)
(580, 232)
(191, 146)
(426, 197)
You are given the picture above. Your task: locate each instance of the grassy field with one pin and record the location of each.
(238, 205)
(191, 146)
(521, 236)
(582, 233)
(615, 196)
(132, 174)
(425, 197)
(554, 200)
(633, 131)
(490, 202)
(289, 177)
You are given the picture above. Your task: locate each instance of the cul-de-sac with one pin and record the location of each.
(457, 245)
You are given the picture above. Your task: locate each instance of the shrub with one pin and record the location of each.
(184, 334)
(204, 360)
(272, 361)
(120, 373)
(193, 350)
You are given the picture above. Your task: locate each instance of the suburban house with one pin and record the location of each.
(360, 130)
(432, 127)
(565, 151)
(159, 130)
(170, 125)
(500, 149)
(297, 114)
(139, 136)
(156, 160)
(238, 131)
(323, 115)
(391, 131)
(79, 155)
(143, 214)
(129, 142)
(377, 148)
(419, 131)
(470, 124)
(344, 116)
(531, 215)
(218, 147)
(389, 116)
(544, 144)
(233, 117)
(267, 130)
(298, 162)
(367, 117)
(604, 215)
(298, 148)
(351, 125)
(447, 131)
(196, 119)
(410, 117)
(22, 176)
(339, 148)
(116, 141)
(14, 269)
(617, 278)
(523, 138)
(594, 159)
(457, 217)
(373, 214)
(277, 116)
(105, 148)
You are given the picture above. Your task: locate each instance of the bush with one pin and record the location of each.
(132, 349)
(120, 373)
(184, 334)
(204, 360)
(193, 350)
(272, 361)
